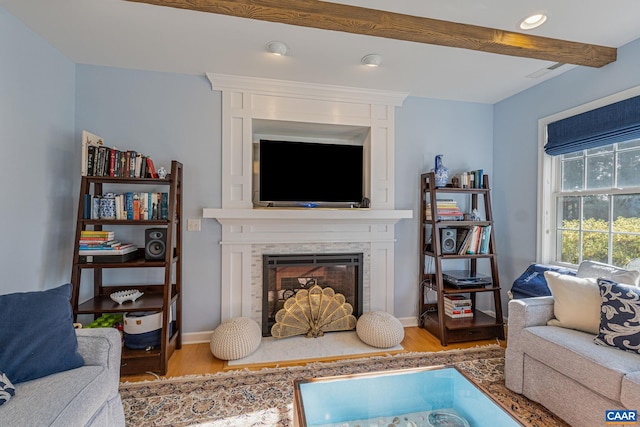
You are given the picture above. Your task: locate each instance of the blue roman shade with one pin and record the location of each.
(606, 125)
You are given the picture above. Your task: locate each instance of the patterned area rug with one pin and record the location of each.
(242, 398)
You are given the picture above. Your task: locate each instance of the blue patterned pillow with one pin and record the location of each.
(619, 316)
(6, 388)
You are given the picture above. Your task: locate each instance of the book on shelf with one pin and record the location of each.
(151, 168)
(457, 301)
(136, 206)
(130, 205)
(100, 160)
(446, 210)
(164, 206)
(124, 249)
(137, 165)
(98, 233)
(472, 179)
(109, 245)
(89, 144)
(473, 241)
(462, 240)
(457, 306)
(476, 240)
(144, 206)
(459, 315)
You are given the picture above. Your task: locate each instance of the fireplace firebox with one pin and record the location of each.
(284, 275)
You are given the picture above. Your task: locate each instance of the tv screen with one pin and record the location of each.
(310, 172)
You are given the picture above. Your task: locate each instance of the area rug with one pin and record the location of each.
(334, 345)
(264, 397)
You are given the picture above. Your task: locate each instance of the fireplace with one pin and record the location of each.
(257, 108)
(285, 274)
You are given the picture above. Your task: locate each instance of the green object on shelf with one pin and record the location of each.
(105, 321)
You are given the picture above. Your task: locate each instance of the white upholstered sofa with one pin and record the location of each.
(553, 362)
(52, 374)
(84, 396)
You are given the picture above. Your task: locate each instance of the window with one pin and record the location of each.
(589, 206)
(598, 205)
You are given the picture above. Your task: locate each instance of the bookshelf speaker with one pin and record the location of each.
(155, 243)
(448, 240)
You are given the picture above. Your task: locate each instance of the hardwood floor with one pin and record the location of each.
(196, 359)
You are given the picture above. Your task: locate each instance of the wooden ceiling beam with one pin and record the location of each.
(358, 20)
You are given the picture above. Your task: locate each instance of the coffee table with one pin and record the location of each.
(423, 397)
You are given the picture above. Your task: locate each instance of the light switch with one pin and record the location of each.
(193, 224)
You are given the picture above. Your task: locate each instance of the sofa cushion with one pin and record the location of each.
(620, 316)
(573, 353)
(576, 302)
(599, 270)
(37, 334)
(62, 399)
(6, 388)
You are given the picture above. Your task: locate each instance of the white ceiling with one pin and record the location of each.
(124, 34)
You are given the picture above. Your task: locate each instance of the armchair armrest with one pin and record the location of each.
(527, 312)
(523, 313)
(102, 347)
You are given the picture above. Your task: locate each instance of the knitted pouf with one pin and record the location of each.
(235, 338)
(379, 329)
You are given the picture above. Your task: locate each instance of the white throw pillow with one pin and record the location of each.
(576, 303)
(599, 270)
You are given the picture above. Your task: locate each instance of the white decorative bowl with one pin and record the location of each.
(129, 295)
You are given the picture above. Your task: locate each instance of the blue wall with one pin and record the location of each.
(166, 116)
(47, 101)
(179, 116)
(515, 149)
(39, 164)
(424, 128)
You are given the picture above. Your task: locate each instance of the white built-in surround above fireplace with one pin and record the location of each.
(260, 108)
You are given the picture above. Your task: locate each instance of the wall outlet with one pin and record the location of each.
(193, 224)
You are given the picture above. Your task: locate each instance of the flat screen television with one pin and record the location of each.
(293, 172)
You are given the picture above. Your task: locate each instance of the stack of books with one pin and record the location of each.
(457, 306)
(129, 205)
(104, 246)
(475, 241)
(100, 160)
(472, 179)
(446, 210)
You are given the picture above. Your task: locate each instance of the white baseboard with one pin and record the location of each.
(205, 336)
(196, 337)
(408, 321)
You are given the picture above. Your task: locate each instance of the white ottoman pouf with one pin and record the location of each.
(379, 329)
(235, 338)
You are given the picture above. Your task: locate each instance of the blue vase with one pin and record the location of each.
(441, 173)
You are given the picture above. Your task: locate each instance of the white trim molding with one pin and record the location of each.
(548, 178)
(253, 107)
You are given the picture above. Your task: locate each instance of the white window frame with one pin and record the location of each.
(549, 179)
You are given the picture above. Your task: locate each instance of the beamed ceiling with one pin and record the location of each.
(463, 50)
(377, 23)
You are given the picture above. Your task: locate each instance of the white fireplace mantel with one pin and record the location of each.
(381, 216)
(252, 107)
(305, 225)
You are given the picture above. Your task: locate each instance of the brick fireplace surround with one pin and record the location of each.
(256, 108)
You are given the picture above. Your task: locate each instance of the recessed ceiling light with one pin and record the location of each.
(371, 60)
(277, 48)
(533, 21)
